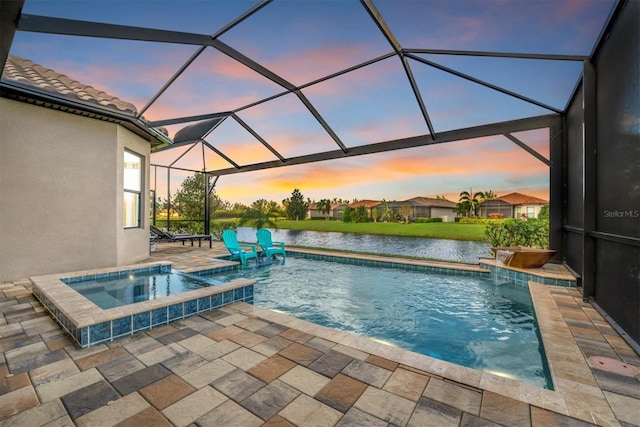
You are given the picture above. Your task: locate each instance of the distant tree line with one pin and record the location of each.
(185, 209)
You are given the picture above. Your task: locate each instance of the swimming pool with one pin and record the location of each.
(467, 320)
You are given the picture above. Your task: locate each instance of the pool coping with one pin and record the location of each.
(385, 259)
(576, 392)
(80, 317)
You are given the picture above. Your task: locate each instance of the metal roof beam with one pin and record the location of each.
(73, 27)
(528, 149)
(543, 56)
(416, 93)
(382, 25)
(412, 142)
(184, 154)
(219, 153)
(258, 137)
(241, 18)
(179, 120)
(9, 16)
(393, 41)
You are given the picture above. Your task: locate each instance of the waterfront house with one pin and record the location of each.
(512, 205)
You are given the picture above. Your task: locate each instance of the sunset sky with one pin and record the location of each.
(303, 41)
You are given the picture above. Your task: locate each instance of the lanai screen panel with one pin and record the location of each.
(238, 144)
(288, 126)
(455, 103)
(549, 82)
(213, 83)
(551, 27)
(302, 41)
(371, 104)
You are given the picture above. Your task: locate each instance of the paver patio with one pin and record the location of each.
(243, 365)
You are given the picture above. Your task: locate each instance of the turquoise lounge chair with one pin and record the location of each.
(236, 249)
(269, 247)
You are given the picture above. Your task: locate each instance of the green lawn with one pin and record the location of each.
(438, 230)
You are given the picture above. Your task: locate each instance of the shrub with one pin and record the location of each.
(515, 232)
(422, 220)
(544, 213)
(347, 215)
(223, 213)
(219, 226)
(484, 221)
(360, 214)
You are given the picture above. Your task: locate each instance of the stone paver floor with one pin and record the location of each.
(243, 366)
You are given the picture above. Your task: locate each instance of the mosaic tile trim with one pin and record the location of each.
(139, 317)
(147, 320)
(361, 262)
(84, 276)
(392, 264)
(521, 278)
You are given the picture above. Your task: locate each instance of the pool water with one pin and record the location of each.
(114, 292)
(470, 321)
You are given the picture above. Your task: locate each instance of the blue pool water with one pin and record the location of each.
(114, 292)
(470, 321)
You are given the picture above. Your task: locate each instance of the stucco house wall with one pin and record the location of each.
(437, 212)
(61, 193)
(520, 209)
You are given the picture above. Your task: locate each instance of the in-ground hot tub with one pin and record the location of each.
(522, 256)
(89, 324)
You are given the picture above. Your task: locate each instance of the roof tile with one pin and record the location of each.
(521, 199)
(27, 73)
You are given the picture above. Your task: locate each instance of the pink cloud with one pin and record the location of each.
(310, 64)
(357, 83)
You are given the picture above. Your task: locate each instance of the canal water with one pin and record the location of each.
(441, 249)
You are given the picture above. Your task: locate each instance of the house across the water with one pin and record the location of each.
(513, 205)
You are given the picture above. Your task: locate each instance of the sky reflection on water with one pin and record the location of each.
(442, 249)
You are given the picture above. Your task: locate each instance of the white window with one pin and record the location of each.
(132, 190)
(531, 212)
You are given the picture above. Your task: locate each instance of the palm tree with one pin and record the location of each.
(470, 204)
(260, 215)
(324, 206)
(489, 195)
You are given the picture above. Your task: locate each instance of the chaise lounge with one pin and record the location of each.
(160, 235)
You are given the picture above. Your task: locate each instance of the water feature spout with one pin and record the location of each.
(502, 258)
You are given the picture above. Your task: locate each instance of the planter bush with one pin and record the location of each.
(516, 232)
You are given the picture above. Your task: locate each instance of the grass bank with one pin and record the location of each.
(436, 230)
